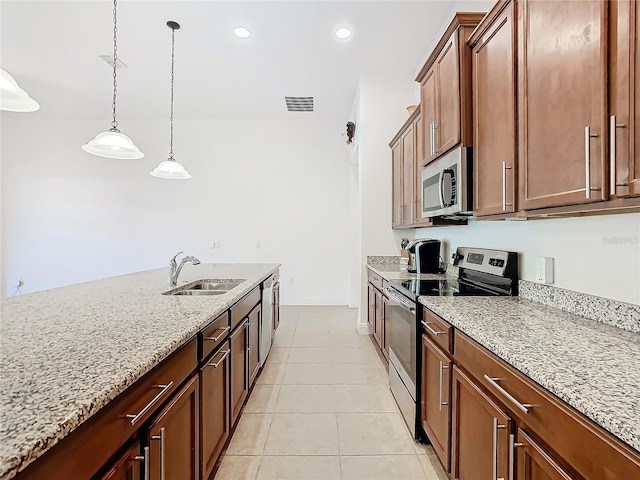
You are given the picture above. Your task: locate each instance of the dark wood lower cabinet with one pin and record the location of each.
(128, 466)
(385, 330)
(239, 369)
(254, 343)
(214, 408)
(534, 462)
(276, 304)
(435, 408)
(173, 437)
(377, 324)
(481, 431)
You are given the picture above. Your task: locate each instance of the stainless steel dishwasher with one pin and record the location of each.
(266, 323)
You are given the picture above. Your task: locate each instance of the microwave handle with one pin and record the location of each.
(440, 187)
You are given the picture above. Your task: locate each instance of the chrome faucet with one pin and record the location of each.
(174, 268)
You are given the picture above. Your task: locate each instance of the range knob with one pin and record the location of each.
(457, 257)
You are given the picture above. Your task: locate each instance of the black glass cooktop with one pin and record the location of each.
(439, 288)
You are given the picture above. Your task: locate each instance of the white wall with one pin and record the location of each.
(598, 255)
(69, 217)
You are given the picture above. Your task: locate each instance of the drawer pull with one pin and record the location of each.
(144, 458)
(215, 339)
(435, 332)
(224, 355)
(162, 447)
(148, 406)
(524, 407)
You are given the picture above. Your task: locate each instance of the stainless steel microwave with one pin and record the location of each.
(446, 185)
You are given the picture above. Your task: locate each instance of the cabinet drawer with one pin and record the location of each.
(213, 335)
(375, 279)
(241, 309)
(87, 449)
(585, 446)
(437, 330)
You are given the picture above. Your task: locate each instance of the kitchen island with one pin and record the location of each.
(67, 352)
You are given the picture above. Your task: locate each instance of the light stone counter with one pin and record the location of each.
(592, 366)
(67, 352)
(393, 271)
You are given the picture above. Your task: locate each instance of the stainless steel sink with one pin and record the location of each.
(207, 287)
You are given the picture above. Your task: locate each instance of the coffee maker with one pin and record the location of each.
(424, 256)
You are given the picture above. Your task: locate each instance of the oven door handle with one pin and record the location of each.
(403, 303)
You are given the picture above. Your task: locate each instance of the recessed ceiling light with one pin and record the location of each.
(241, 32)
(343, 33)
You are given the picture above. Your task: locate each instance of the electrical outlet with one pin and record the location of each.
(215, 244)
(544, 270)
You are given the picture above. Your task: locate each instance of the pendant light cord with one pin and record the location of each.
(173, 49)
(114, 123)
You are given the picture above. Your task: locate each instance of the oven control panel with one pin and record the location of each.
(495, 262)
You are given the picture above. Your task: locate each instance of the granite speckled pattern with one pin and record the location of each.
(68, 351)
(592, 366)
(392, 271)
(613, 312)
(373, 260)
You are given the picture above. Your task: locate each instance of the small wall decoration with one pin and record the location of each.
(351, 130)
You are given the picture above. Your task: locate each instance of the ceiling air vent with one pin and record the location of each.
(299, 104)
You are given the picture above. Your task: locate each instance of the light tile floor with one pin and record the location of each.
(321, 409)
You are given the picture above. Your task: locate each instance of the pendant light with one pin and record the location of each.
(170, 168)
(12, 97)
(112, 143)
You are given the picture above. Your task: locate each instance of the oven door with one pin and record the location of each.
(401, 338)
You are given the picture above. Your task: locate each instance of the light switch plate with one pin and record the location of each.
(544, 270)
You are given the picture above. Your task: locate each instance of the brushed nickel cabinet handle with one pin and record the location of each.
(218, 337)
(587, 160)
(161, 438)
(494, 460)
(135, 417)
(224, 355)
(505, 167)
(434, 332)
(435, 139)
(512, 454)
(524, 407)
(144, 458)
(431, 138)
(612, 154)
(442, 367)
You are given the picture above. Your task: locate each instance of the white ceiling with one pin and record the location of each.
(52, 48)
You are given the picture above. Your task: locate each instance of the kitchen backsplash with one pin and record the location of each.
(619, 314)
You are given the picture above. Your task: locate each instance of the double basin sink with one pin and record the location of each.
(207, 287)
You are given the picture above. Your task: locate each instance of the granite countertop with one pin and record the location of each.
(67, 352)
(592, 366)
(393, 271)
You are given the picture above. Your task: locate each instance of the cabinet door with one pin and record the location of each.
(128, 466)
(428, 114)
(494, 117)
(239, 369)
(535, 463)
(435, 408)
(173, 437)
(254, 343)
(624, 120)
(215, 418)
(481, 432)
(561, 102)
(377, 324)
(447, 132)
(408, 163)
(396, 159)
(371, 310)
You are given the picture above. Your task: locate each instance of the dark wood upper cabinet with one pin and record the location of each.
(534, 462)
(173, 437)
(481, 432)
(624, 93)
(214, 408)
(435, 408)
(494, 112)
(396, 160)
(239, 369)
(562, 128)
(445, 90)
(408, 168)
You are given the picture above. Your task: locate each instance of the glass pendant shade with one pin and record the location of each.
(172, 170)
(12, 97)
(113, 144)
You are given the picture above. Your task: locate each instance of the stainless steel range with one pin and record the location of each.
(481, 272)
